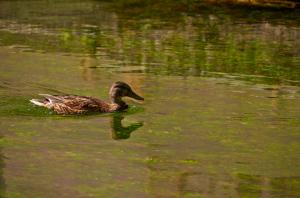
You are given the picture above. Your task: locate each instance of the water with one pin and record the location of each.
(221, 116)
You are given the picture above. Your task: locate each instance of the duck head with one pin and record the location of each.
(120, 89)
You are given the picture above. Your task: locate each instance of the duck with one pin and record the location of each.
(74, 104)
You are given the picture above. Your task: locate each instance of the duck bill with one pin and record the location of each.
(135, 96)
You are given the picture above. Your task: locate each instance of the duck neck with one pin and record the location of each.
(117, 104)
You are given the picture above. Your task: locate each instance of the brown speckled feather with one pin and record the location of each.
(72, 104)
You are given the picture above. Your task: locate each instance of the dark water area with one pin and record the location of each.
(221, 116)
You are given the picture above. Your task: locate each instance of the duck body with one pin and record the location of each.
(74, 104)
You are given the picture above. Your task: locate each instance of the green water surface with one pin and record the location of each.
(221, 116)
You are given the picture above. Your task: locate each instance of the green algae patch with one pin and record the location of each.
(152, 160)
(27, 133)
(75, 156)
(193, 195)
(5, 142)
(189, 161)
(109, 190)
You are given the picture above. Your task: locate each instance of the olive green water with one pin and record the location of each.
(221, 116)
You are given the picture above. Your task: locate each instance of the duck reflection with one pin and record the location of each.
(119, 131)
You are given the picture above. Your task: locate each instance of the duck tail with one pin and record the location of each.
(37, 102)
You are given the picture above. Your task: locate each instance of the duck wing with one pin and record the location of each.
(70, 104)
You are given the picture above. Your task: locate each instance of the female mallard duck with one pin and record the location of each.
(73, 104)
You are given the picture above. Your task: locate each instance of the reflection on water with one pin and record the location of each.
(118, 131)
(212, 41)
(221, 111)
(241, 185)
(188, 182)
